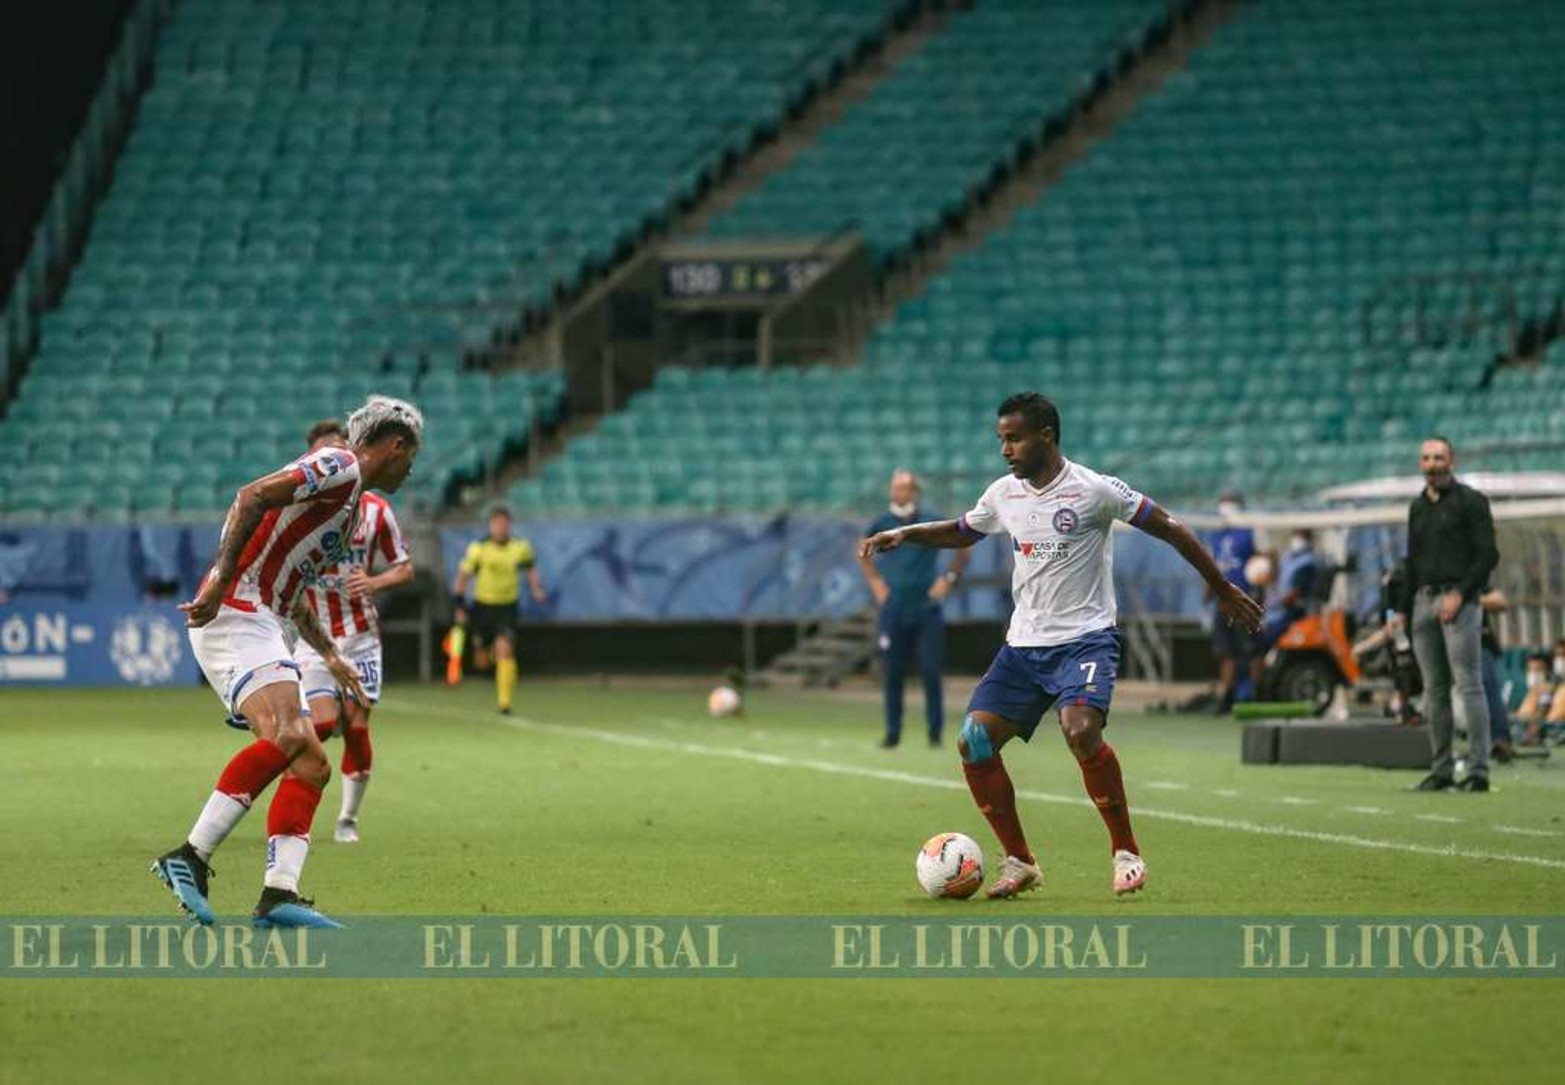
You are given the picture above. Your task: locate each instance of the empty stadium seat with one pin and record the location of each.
(1301, 254)
(321, 200)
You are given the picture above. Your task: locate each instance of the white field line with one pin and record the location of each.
(833, 768)
(1165, 785)
(1294, 800)
(1443, 819)
(1363, 809)
(1522, 830)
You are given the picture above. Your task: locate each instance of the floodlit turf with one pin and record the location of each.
(628, 801)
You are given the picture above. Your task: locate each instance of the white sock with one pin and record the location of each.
(218, 818)
(285, 861)
(353, 794)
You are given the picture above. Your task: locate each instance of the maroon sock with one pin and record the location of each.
(1106, 788)
(251, 769)
(996, 798)
(325, 729)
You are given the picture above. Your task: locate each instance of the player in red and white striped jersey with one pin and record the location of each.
(343, 600)
(282, 531)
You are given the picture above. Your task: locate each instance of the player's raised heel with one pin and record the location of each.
(1130, 872)
(1016, 876)
(185, 874)
(282, 908)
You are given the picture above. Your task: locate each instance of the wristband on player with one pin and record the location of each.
(458, 602)
(951, 578)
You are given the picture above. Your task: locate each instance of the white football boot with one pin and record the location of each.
(1130, 872)
(1016, 876)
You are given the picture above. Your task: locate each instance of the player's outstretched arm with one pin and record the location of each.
(1235, 605)
(944, 534)
(251, 504)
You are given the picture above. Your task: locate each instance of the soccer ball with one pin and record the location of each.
(950, 865)
(722, 702)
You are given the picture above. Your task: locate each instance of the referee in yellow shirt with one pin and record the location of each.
(495, 564)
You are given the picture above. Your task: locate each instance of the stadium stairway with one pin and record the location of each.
(825, 655)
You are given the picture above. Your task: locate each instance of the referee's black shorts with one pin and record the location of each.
(492, 621)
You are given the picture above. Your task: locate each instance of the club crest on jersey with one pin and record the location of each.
(1065, 520)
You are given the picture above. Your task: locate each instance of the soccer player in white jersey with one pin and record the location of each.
(1062, 648)
(280, 532)
(343, 600)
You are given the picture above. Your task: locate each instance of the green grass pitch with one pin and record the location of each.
(626, 800)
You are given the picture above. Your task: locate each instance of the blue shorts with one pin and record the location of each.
(1024, 683)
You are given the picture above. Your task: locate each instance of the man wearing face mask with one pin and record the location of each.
(1232, 546)
(909, 590)
(1534, 709)
(1450, 554)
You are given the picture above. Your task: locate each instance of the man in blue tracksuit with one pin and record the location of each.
(909, 589)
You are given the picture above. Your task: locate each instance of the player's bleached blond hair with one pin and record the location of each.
(382, 415)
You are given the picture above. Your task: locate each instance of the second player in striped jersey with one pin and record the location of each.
(343, 601)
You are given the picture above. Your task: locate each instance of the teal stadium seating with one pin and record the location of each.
(319, 199)
(947, 120)
(1305, 251)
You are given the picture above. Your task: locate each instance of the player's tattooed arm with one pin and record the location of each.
(251, 504)
(314, 634)
(944, 534)
(1235, 605)
(311, 630)
(250, 507)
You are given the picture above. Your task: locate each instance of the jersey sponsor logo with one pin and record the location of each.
(1066, 520)
(1043, 550)
(332, 546)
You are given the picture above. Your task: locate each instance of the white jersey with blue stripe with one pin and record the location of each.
(1063, 579)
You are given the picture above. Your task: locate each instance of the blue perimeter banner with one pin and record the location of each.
(95, 644)
(75, 607)
(795, 947)
(779, 568)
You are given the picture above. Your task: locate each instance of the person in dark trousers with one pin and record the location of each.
(1450, 554)
(909, 590)
(1232, 547)
(1502, 749)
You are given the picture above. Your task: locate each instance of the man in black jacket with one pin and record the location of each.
(1450, 554)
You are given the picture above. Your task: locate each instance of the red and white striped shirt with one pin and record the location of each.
(293, 545)
(377, 544)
